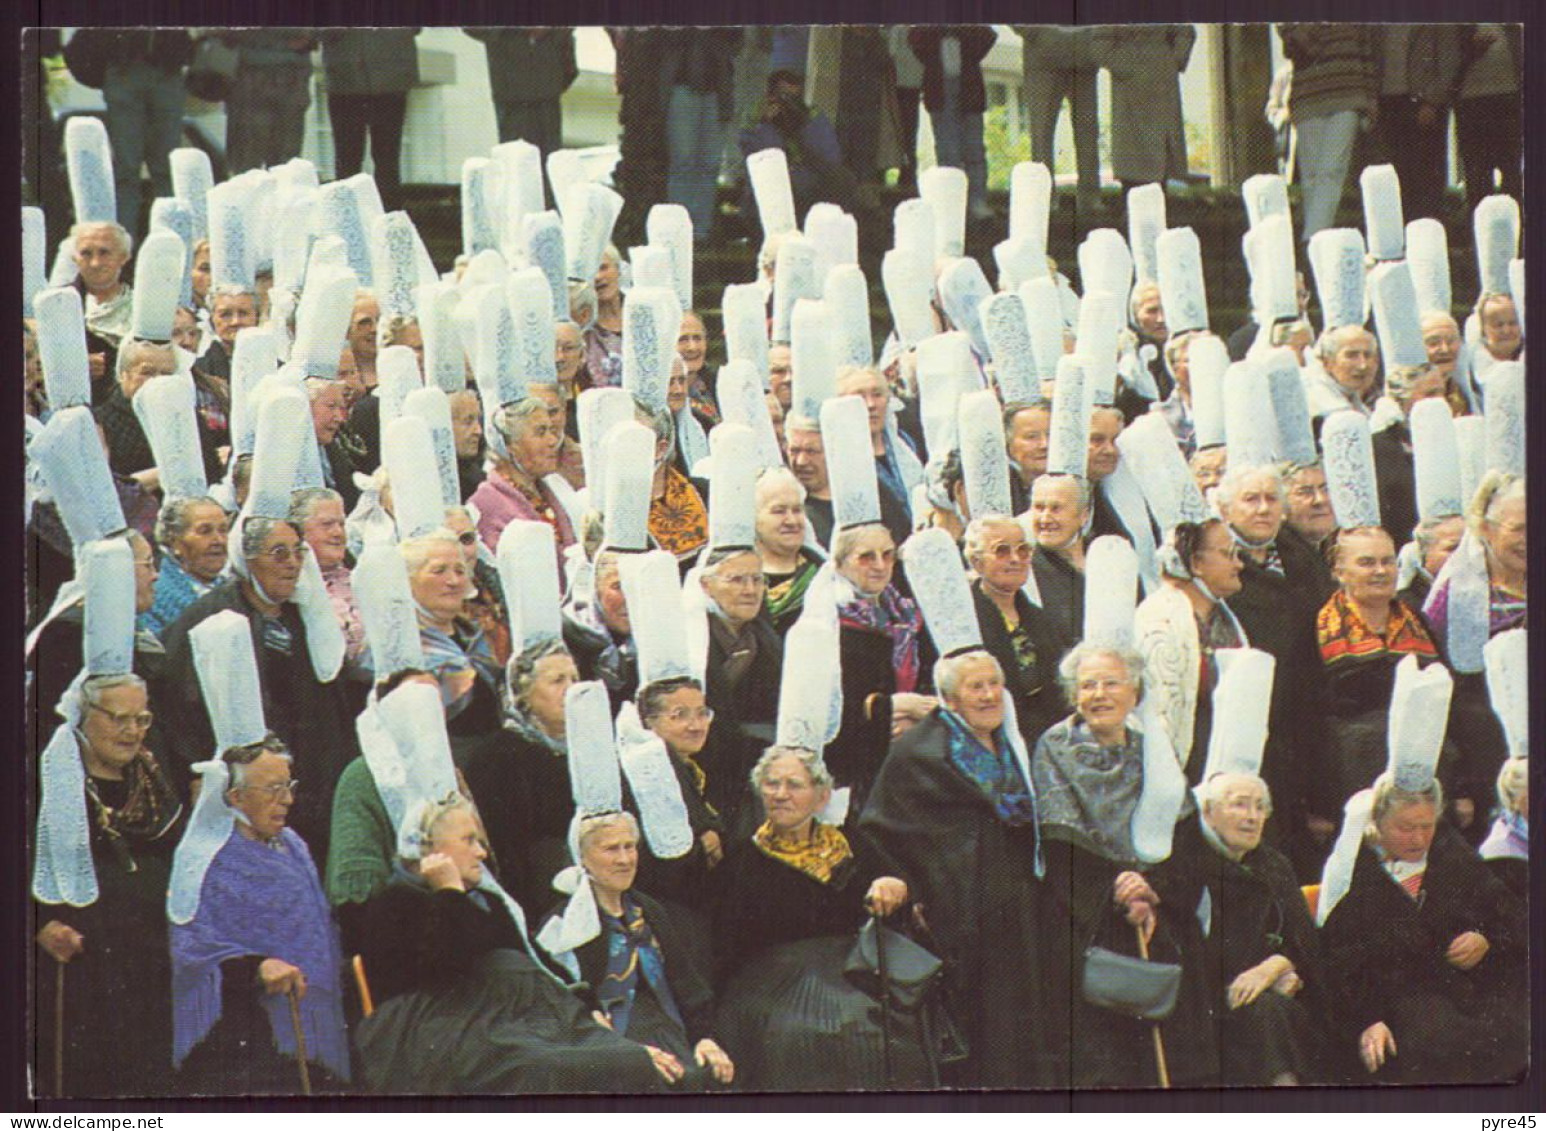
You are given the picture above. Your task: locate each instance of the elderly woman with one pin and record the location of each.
(746, 653)
(604, 333)
(1427, 953)
(192, 535)
(485, 605)
(1089, 778)
(792, 897)
(787, 564)
(513, 487)
(318, 513)
(639, 963)
(1507, 847)
(1260, 951)
(1207, 467)
(520, 774)
(678, 520)
(1497, 518)
(1180, 627)
(1349, 375)
(462, 1004)
(883, 653)
(954, 808)
(1059, 514)
(455, 649)
(1019, 635)
(569, 353)
(1502, 336)
(1177, 407)
(692, 345)
(1432, 544)
(312, 718)
(113, 952)
(599, 634)
(1027, 429)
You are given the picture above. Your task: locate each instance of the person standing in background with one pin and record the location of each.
(1336, 84)
(1148, 135)
(369, 73)
(909, 91)
(696, 75)
(1060, 63)
(265, 113)
(1487, 112)
(1420, 68)
(529, 68)
(954, 93)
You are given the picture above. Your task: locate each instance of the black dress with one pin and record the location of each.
(461, 1007)
(975, 876)
(1254, 909)
(786, 1015)
(118, 991)
(1062, 593)
(1385, 958)
(1029, 657)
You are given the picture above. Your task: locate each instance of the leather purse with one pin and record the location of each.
(911, 970)
(1131, 986)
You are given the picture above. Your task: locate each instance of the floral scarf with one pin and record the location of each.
(823, 856)
(896, 616)
(993, 772)
(1341, 633)
(678, 519)
(149, 810)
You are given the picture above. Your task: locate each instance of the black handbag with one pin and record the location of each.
(212, 72)
(911, 970)
(1133, 987)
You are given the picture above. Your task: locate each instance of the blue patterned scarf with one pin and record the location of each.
(994, 772)
(632, 950)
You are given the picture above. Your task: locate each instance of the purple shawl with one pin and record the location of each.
(898, 618)
(267, 902)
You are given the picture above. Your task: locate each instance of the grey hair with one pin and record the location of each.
(1068, 667)
(391, 328)
(843, 541)
(1086, 494)
(511, 419)
(947, 670)
(304, 501)
(119, 232)
(417, 834)
(316, 386)
(132, 349)
(95, 686)
(795, 422)
(521, 671)
(1335, 338)
(1513, 780)
(977, 534)
(1210, 792)
(416, 551)
(1229, 485)
(821, 777)
(1495, 489)
(1426, 532)
(256, 529)
(582, 297)
(1139, 292)
(1388, 797)
(228, 290)
(589, 828)
(238, 758)
(175, 518)
(775, 477)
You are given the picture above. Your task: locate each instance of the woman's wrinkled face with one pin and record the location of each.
(277, 565)
(440, 584)
(329, 411)
(1366, 567)
(736, 585)
(1028, 441)
(201, 549)
(692, 343)
(456, 835)
(605, 282)
(781, 520)
(534, 448)
(1238, 812)
(1446, 536)
(1309, 504)
(324, 533)
(1104, 694)
(1256, 511)
(676, 388)
(1208, 468)
(682, 721)
(99, 257)
(459, 524)
(1406, 832)
(1355, 364)
(1005, 561)
(550, 681)
(148, 365)
(145, 572)
(231, 313)
(789, 796)
(265, 794)
(114, 728)
(1217, 562)
(1441, 342)
(568, 350)
(185, 330)
(1504, 533)
(611, 602)
(1056, 517)
(979, 695)
(1500, 327)
(611, 858)
(870, 562)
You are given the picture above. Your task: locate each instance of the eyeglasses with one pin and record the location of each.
(1106, 686)
(277, 791)
(1021, 551)
(282, 555)
(744, 580)
(140, 720)
(690, 714)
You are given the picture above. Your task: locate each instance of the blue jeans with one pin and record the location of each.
(958, 142)
(144, 122)
(693, 133)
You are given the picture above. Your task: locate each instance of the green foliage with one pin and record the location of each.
(1005, 149)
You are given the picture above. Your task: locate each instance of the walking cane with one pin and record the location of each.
(885, 995)
(1159, 1041)
(300, 1042)
(59, 1029)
